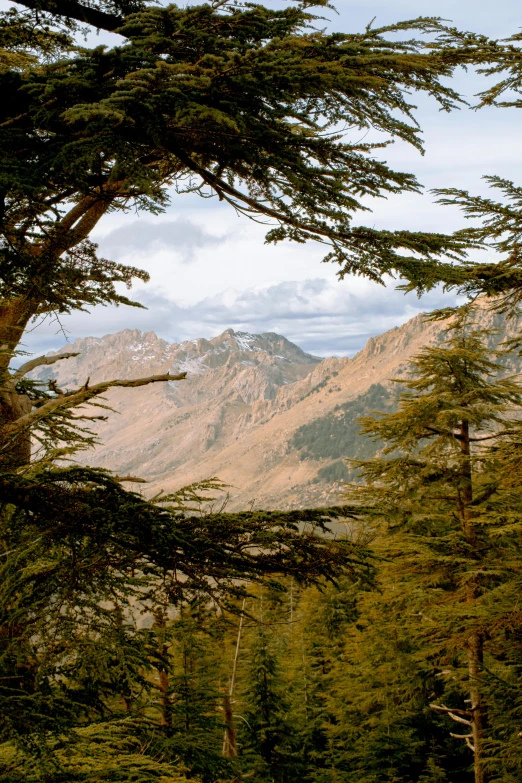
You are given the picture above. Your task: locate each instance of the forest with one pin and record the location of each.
(165, 638)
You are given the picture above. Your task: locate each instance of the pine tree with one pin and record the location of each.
(187, 668)
(378, 695)
(242, 103)
(267, 732)
(450, 515)
(499, 221)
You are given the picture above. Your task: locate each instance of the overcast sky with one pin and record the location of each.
(210, 270)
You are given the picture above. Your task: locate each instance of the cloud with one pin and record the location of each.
(322, 317)
(180, 236)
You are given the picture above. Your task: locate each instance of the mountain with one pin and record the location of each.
(256, 411)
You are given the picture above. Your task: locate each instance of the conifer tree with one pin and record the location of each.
(266, 704)
(497, 219)
(242, 103)
(451, 515)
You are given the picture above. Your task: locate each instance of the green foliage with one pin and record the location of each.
(267, 707)
(246, 103)
(447, 494)
(337, 471)
(250, 111)
(100, 752)
(187, 654)
(338, 433)
(81, 560)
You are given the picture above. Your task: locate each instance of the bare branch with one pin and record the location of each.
(53, 386)
(454, 714)
(81, 396)
(467, 738)
(458, 719)
(460, 736)
(41, 360)
(499, 434)
(89, 418)
(134, 479)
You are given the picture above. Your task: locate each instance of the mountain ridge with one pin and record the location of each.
(237, 414)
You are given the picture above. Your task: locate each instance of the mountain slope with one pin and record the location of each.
(255, 410)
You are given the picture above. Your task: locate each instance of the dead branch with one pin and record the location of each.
(38, 362)
(134, 479)
(88, 418)
(53, 386)
(466, 737)
(73, 399)
(454, 714)
(443, 708)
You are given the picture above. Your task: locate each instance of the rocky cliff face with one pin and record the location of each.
(255, 410)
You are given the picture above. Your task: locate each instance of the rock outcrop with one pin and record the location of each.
(237, 414)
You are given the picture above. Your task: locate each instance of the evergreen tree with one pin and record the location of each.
(499, 221)
(267, 734)
(221, 100)
(451, 516)
(380, 686)
(71, 653)
(186, 654)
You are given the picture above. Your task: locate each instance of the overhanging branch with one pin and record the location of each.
(38, 362)
(81, 396)
(80, 13)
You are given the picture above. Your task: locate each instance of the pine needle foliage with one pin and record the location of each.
(446, 494)
(496, 220)
(100, 752)
(256, 106)
(82, 558)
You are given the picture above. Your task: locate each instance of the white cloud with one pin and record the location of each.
(182, 237)
(233, 279)
(322, 317)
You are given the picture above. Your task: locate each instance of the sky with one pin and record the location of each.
(210, 269)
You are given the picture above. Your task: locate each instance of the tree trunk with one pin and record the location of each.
(230, 741)
(160, 625)
(15, 314)
(475, 644)
(478, 719)
(230, 738)
(15, 450)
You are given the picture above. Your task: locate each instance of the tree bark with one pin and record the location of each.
(478, 720)
(475, 643)
(15, 314)
(230, 738)
(162, 668)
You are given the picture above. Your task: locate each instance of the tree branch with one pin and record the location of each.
(466, 737)
(73, 10)
(454, 714)
(33, 363)
(81, 396)
(221, 187)
(75, 213)
(78, 223)
(499, 434)
(133, 479)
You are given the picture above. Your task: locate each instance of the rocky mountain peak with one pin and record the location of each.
(256, 410)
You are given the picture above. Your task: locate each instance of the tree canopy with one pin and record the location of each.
(266, 111)
(258, 107)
